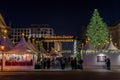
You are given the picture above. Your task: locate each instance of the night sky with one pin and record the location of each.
(65, 16)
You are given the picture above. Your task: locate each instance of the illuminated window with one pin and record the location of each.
(101, 58)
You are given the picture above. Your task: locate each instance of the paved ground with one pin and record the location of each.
(95, 74)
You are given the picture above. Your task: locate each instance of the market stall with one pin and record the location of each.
(22, 56)
(97, 59)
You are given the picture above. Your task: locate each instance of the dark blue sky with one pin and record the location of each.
(66, 16)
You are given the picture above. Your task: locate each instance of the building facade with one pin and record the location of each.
(114, 31)
(43, 31)
(34, 31)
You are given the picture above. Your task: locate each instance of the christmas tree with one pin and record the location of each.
(97, 31)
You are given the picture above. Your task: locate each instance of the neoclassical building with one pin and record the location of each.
(34, 31)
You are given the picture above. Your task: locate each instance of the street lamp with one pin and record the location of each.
(2, 49)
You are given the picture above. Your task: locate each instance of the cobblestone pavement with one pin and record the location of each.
(93, 74)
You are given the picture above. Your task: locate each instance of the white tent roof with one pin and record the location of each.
(2, 22)
(21, 48)
(34, 48)
(111, 46)
(31, 45)
(6, 43)
(88, 46)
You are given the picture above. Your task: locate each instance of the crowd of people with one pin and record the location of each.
(62, 63)
(69, 62)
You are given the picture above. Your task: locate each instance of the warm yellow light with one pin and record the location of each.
(55, 40)
(110, 38)
(28, 37)
(23, 34)
(33, 39)
(4, 37)
(36, 42)
(115, 44)
(98, 43)
(5, 31)
(106, 41)
(2, 47)
(82, 44)
(62, 37)
(88, 39)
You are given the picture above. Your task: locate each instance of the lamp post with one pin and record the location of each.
(2, 48)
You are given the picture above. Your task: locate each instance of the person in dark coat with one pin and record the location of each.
(44, 63)
(63, 64)
(75, 63)
(108, 63)
(72, 63)
(48, 63)
(80, 64)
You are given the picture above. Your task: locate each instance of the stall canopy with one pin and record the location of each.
(2, 22)
(88, 46)
(111, 46)
(53, 52)
(22, 47)
(6, 42)
(31, 45)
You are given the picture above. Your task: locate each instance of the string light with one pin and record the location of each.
(28, 37)
(5, 31)
(4, 37)
(23, 34)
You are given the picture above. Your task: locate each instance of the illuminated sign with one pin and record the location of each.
(69, 40)
(58, 38)
(101, 58)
